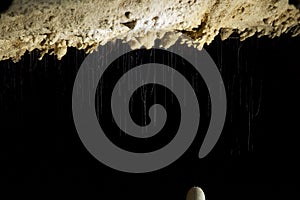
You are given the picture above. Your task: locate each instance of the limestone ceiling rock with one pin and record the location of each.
(53, 25)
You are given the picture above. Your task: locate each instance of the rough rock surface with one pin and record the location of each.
(53, 25)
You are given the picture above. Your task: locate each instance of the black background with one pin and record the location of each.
(255, 158)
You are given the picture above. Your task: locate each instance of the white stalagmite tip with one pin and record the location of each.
(195, 193)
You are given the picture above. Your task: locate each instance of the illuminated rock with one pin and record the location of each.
(53, 25)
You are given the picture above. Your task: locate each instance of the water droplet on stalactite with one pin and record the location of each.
(195, 193)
